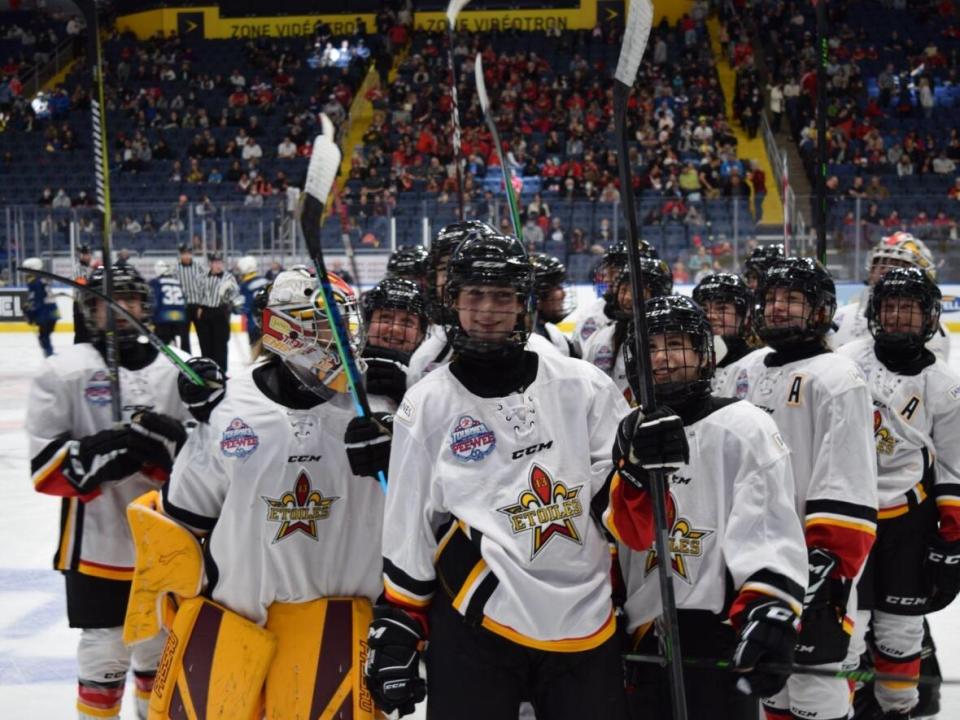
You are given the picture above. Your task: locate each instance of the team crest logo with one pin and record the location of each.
(743, 384)
(886, 442)
(97, 391)
(298, 511)
(685, 542)
(239, 440)
(548, 508)
(604, 358)
(471, 439)
(588, 328)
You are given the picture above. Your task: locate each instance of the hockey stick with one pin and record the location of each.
(631, 53)
(453, 9)
(102, 171)
(162, 347)
(321, 173)
(492, 126)
(864, 676)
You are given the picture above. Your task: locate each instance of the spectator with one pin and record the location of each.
(215, 177)
(556, 231)
(287, 149)
(61, 200)
(776, 104)
(195, 173)
(680, 274)
(131, 225)
(943, 165)
(904, 166)
(953, 193)
(758, 183)
(46, 197)
(532, 233)
(253, 199)
(876, 190)
(237, 80)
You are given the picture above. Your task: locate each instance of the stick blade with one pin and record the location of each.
(453, 9)
(481, 85)
(324, 162)
(634, 41)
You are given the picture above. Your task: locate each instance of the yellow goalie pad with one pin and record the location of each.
(168, 560)
(213, 665)
(317, 673)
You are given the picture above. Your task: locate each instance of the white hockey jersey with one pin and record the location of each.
(287, 519)
(593, 319)
(490, 499)
(730, 380)
(552, 333)
(601, 352)
(851, 321)
(916, 426)
(435, 351)
(730, 510)
(823, 409)
(70, 398)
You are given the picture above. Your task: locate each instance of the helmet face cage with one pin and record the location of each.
(720, 289)
(126, 281)
(295, 328)
(657, 282)
(681, 358)
(900, 250)
(410, 263)
(904, 309)
(438, 259)
(402, 321)
(803, 309)
(760, 260)
(556, 298)
(614, 262)
(484, 272)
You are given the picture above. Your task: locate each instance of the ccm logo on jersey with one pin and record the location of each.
(517, 454)
(303, 458)
(941, 558)
(905, 601)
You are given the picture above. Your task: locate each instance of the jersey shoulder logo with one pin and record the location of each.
(471, 439)
(742, 384)
(238, 440)
(548, 508)
(604, 358)
(299, 510)
(886, 442)
(954, 392)
(588, 328)
(686, 542)
(97, 390)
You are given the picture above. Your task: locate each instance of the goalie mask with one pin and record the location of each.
(489, 292)
(795, 303)
(904, 309)
(681, 351)
(899, 250)
(727, 302)
(556, 298)
(295, 329)
(130, 289)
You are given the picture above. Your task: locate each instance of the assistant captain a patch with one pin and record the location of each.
(238, 440)
(471, 439)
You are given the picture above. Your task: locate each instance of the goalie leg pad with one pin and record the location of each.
(168, 560)
(213, 665)
(317, 672)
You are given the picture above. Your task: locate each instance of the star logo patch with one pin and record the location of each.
(547, 509)
(299, 510)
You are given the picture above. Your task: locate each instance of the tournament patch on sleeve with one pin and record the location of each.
(954, 392)
(405, 412)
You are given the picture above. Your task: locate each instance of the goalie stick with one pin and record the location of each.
(162, 347)
(453, 9)
(102, 172)
(321, 173)
(492, 126)
(635, 38)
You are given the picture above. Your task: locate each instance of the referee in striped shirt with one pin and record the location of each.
(193, 281)
(220, 290)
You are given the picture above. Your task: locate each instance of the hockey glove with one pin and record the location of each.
(102, 457)
(943, 573)
(823, 638)
(392, 670)
(157, 438)
(201, 400)
(368, 444)
(767, 636)
(651, 442)
(386, 372)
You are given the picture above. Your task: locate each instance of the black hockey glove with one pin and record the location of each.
(201, 400)
(823, 638)
(943, 573)
(368, 444)
(767, 636)
(386, 372)
(157, 438)
(655, 441)
(102, 457)
(392, 670)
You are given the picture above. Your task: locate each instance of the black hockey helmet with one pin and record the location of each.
(910, 283)
(657, 281)
(614, 261)
(805, 275)
(126, 281)
(393, 292)
(759, 261)
(443, 245)
(409, 262)
(665, 315)
(495, 260)
(727, 288)
(550, 275)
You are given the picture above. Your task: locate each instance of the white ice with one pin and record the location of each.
(37, 649)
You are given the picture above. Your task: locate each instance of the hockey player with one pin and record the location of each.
(728, 304)
(916, 399)
(901, 249)
(410, 262)
(40, 307)
(821, 405)
(98, 468)
(738, 556)
(761, 258)
(169, 306)
(395, 316)
(291, 532)
(250, 282)
(555, 300)
(603, 348)
(490, 549)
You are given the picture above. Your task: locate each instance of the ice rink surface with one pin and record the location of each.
(37, 649)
